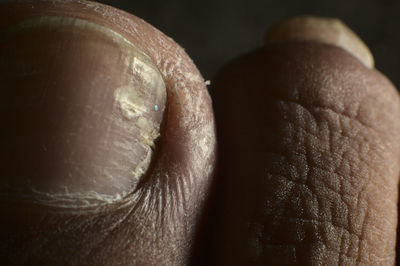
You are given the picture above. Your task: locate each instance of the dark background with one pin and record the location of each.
(214, 32)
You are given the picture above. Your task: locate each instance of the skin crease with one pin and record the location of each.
(154, 224)
(309, 163)
(312, 178)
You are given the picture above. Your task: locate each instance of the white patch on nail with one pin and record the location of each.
(130, 102)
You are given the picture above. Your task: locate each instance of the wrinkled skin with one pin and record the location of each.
(156, 222)
(309, 146)
(309, 161)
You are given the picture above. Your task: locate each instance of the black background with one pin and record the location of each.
(214, 32)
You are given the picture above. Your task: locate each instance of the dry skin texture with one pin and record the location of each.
(120, 152)
(309, 144)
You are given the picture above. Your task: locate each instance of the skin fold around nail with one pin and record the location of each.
(109, 143)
